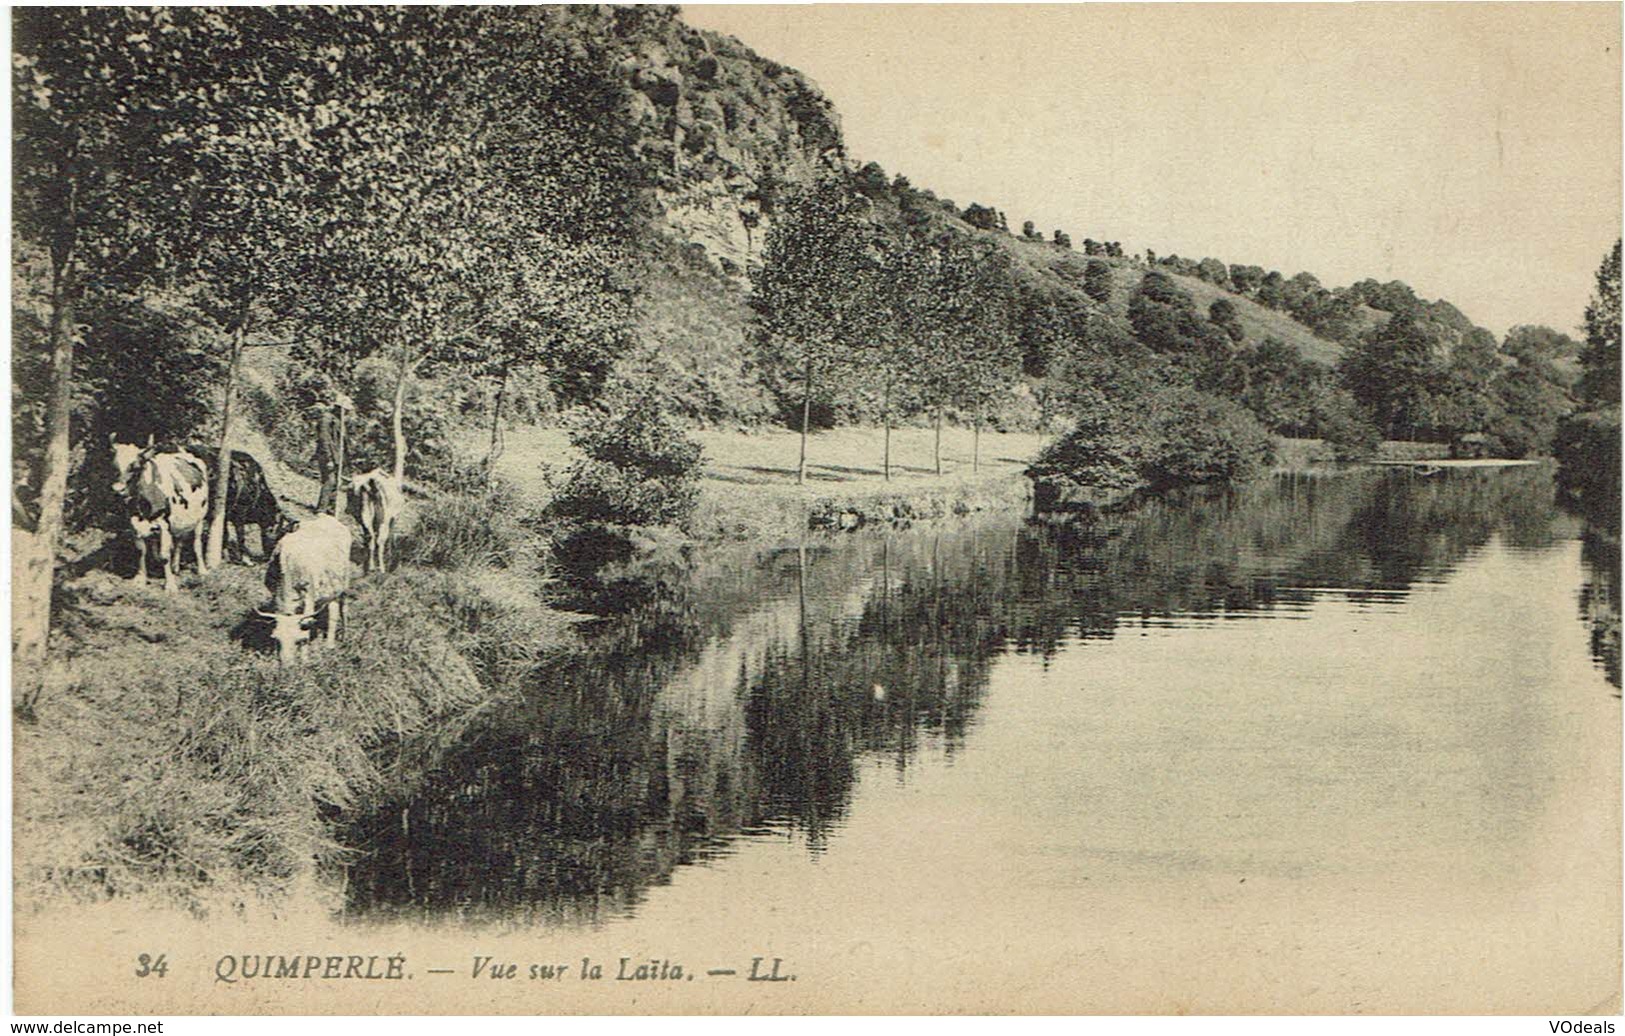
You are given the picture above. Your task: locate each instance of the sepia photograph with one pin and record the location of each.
(937, 509)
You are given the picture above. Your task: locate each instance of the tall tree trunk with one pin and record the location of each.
(939, 441)
(806, 417)
(327, 461)
(497, 443)
(31, 601)
(395, 423)
(341, 489)
(222, 470)
(886, 418)
(976, 443)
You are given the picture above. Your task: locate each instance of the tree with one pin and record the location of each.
(1338, 420)
(1048, 325)
(1394, 373)
(486, 201)
(1541, 347)
(1328, 314)
(1165, 319)
(568, 319)
(560, 201)
(1272, 290)
(965, 328)
(1599, 363)
(1214, 272)
(1529, 407)
(1097, 281)
(894, 284)
(1223, 313)
(981, 217)
(1030, 232)
(1204, 439)
(871, 181)
(1063, 239)
(85, 190)
(807, 318)
(1282, 387)
(1246, 280)
(969, 333)
(248, 148)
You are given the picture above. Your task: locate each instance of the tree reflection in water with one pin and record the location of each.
(742, 693)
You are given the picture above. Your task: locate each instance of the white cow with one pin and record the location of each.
(309, 571)
(375, 501)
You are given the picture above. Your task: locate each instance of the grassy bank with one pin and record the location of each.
(749, 489)
(173, 761)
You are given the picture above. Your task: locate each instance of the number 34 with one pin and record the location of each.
(151, 966)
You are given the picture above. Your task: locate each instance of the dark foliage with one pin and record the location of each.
(639, 469)
(1599, 384)
(1205, 440)
(1097, 281)
(1587, 448)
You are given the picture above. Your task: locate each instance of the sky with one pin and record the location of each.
(1470, 150)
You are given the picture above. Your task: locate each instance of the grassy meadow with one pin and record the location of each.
(749, 488)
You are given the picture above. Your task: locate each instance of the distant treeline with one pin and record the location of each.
(874, 299)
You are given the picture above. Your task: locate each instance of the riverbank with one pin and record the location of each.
(171, 761)
(749, 492)
(1315, 454)
(231, 772)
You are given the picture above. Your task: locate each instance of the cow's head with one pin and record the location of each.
(285, 523)
(127, 460)
(289, 631)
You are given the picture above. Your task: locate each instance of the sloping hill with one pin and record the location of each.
(723, 133)
(1061, 269)
(1258, 322)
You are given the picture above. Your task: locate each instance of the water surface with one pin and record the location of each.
(1342, 743)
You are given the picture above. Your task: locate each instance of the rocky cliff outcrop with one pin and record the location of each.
(721, 130)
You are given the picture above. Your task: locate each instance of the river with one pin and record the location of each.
(1344, 742)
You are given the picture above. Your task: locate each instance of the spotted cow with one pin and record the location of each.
(167, 494)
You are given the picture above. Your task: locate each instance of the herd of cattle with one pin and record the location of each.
(167, 492)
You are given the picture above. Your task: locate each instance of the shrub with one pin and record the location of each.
(1205, 440)
(1339, 421)
(1099, 453)
(639, 469)
(464, 530)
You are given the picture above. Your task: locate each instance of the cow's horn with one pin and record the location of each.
(265, 614)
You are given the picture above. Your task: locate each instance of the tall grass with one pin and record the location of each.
(175, 760)
(487, 528)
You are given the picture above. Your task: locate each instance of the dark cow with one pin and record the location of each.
(167, 492)
(249, 500)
